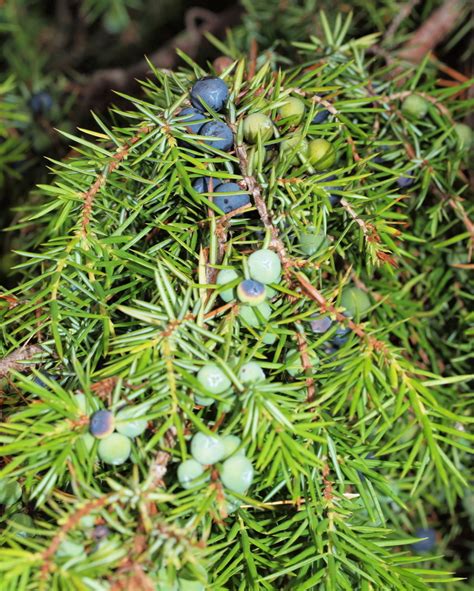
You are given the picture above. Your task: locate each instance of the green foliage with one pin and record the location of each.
(119, 294)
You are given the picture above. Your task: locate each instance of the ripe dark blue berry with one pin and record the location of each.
(341, 336)
(102, 424)
(189, 115)
(405, 181)
(205, 184)
(321, 324)
(251, 292)
(230, 200)
(320, 116)
(41, 103)
(424, 545)
(218, 134)
(209, 92)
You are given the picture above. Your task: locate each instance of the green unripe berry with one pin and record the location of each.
(293, 110)
(10, 492)
(207, 449)
(250, 317)
(22, 521)
(464, 135)
(257, 125)
(322, 154)
(128, 424)
(212, 379)
(355, 301)
(251, 372)
(82, 403)
(237, 474)
(294, 362)
(69, 548)
(311, 242)
(415, 106)
(231, 445)
(264, 266)
(251, 292)
(294, 144)
(88, 440)
(114, 449)
(189, 472)
(226, 276)
(269, 338)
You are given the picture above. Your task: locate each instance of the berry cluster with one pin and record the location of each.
(356, 304)
(234, 468)
(114, 447)
(209, 96)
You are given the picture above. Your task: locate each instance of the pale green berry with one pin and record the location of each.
(232, 443)
(293, 110)
(311, 241)
(251, 372)
(10, 492)
(207, 449)
(128, 424)
(188, 473)
(114, 449)
(464, 135)
(247, 313)
(203, 400)
(293, 145)
(69, 549)
(212, 379)
(257, 125)
(82, 403)
(226, 276)
(237, 474)
(294, 364)
(264, 266)
(322, 154)
(355, 301)
(23, 522)
(87, 521)
(88, 440)
(415, 106)
(269, 338)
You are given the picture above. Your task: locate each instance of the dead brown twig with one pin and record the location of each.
(96, 90)
(16, 360)
(433, 31)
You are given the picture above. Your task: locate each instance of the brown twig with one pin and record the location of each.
(260, 204)
(71, 523)
(325, 306)
(17, 358)
(433, 31)
(118, 157)
(96, 90)
(307, 366)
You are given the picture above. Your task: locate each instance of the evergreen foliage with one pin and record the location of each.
(351, 445)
